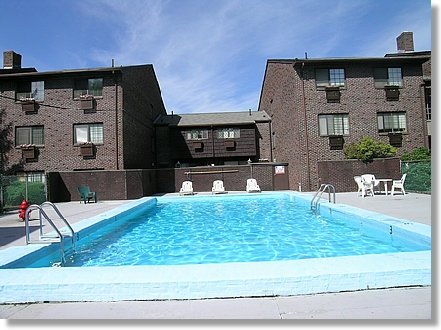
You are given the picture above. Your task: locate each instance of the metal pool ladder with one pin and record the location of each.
(315, 201)
(45, 238)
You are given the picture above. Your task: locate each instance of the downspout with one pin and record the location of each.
(424, 116)
(270, 125)
(212, 145)
(116, 122)
(306, 132)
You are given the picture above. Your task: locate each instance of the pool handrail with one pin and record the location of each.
(319, 193)
(60, 235)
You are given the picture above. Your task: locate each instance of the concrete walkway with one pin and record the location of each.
(395, 303)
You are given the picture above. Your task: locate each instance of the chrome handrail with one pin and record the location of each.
(319, 193)
(49, 220)
(61, 217)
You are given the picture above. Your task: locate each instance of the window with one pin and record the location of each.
(93, 86)
(428, 101)
(88, 133)
(228, 133)
(334, 124)
(388, 77)
(28, 89)
(330, 77)
(39, 177)
(29, 135)
(197, 134)
(391, 122)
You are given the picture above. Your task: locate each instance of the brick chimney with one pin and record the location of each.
(405, 42)
(11, 60)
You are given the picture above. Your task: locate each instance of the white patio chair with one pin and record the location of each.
(399, 184)
(367, 185)
(359, 184)
(218, 187)
(370, 178)
(187, 188)
(252, 186)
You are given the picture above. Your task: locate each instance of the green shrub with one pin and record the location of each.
(16, 192)
(419, 175)
(368, 149)
(421, 153)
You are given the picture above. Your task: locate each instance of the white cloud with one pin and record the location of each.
(211, 55)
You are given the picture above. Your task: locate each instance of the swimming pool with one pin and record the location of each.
(245, 253)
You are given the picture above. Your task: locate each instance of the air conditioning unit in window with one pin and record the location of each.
(198, 145)
(87, 149)
(230, 144)
(336, 142)
(86, 102)
(28, 104)
(396, 139)
(332, 93)
(392, 92)
(29, 151)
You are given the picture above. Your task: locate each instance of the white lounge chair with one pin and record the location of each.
(218, 187)
(252, 186)
(367, 185)
(399, 184)
(187, 188)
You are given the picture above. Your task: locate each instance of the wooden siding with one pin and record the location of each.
(213, 146)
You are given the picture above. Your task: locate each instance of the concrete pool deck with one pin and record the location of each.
(398, 303)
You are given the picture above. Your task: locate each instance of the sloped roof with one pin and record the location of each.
(213, 119)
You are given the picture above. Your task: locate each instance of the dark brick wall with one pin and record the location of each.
(132, 184)
(295, 104)
(340, 173)
(142, 104)
(134, 92)
(235, 181)
(59, 152)
(110, 185)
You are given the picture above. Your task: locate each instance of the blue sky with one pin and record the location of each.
(208, 55)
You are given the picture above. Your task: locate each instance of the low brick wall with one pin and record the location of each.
(110, 185)
(131, 184)
(341, 173)
(234, 177)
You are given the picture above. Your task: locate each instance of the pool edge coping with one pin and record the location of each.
(202, 285)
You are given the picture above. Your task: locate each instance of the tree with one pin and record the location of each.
(368, 149)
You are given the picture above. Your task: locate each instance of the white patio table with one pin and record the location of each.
(385, 181)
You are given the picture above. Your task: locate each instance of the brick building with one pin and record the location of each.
(77, 120)
(319, 105)
(226, 138)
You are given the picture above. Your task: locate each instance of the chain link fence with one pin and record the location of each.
(14, 189)
(419, 175)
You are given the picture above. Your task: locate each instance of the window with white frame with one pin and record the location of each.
(29, 135)
(388, 77)
(330, 77)
(30, 89)
(336, 124)
(228, 133)
(88, 133)
(391, 122)
(197, 134)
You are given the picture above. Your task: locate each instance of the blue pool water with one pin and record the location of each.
(224, 229)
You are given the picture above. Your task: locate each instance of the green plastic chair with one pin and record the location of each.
(87, 195)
